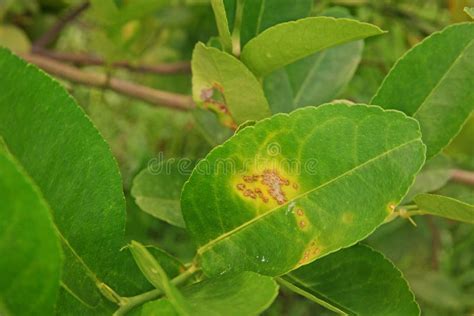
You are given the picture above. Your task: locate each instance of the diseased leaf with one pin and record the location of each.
(157, 189)
(30, 253)
(245, 293)
(259, 15)
(445, 207)
(288, 42)
(429, 83)
(222, 82)
(222, 24)
(358, 281)
(315, 79)
(72, 166)
(287, 191)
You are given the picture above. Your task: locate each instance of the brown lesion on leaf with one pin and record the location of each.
(213, 99)
(268, 187)
(301, 220)
(347, 217)
(311, 252)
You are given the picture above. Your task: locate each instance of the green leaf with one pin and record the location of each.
(14, 38)
(288, 42)
(245, 293)
(30, 260)
(434, 175)
(157, 276)
(445, 207)
(313, 80)
(469, 11)
(296, 187)
(358, 281)
(70, 163)
(157, 189)
(222, 24)
(259, 15)
(433, 83)
(221, 80)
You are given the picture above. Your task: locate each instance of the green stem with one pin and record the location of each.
(290, 286)
(236, 31)
(128, 303)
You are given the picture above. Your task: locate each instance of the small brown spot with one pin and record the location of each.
(299, 212)
(302, 224)
(240, 186)
(295, 186)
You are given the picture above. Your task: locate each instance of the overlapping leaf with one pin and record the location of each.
(288, 42)
(295, 187)
(30, 253)
(222, 82)
(429, 83)
(444, 206)
(157, 190)
(356, 281)
(73, 167)
(244, 293)
(316, 79)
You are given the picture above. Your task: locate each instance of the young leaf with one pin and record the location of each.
(157, 189)
(358, 281)
(244, 293)
(444, 206)
(220, 80)
(313, 80)
(469, 11)
(30, 254)
(72, 166)
(222, 24)
(295, 187)
(432, 83)
(259, 15)
(157, 276)
(288, 42)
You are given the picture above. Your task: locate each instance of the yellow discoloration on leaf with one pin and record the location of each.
(311, 252)
(347, 217)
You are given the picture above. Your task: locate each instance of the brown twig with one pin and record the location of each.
(89, 60)
(53, 33)
(147, 94)
(463, 176)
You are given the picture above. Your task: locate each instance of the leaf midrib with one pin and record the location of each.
(211, 243)
(443, 77)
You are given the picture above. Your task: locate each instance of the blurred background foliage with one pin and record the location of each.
(437, 256)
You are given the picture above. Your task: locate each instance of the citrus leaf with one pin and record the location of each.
(259, 15)
(296, 187)
(444, 206)
(70, 163)
(222, 24)
(432, 83)
(157, 276)
(30, 260)
(358, 281)
(315, 79)
(434, 175)
(157, 189)
(469, 11)
(245, 293)
(288, 42)
(219, 80)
